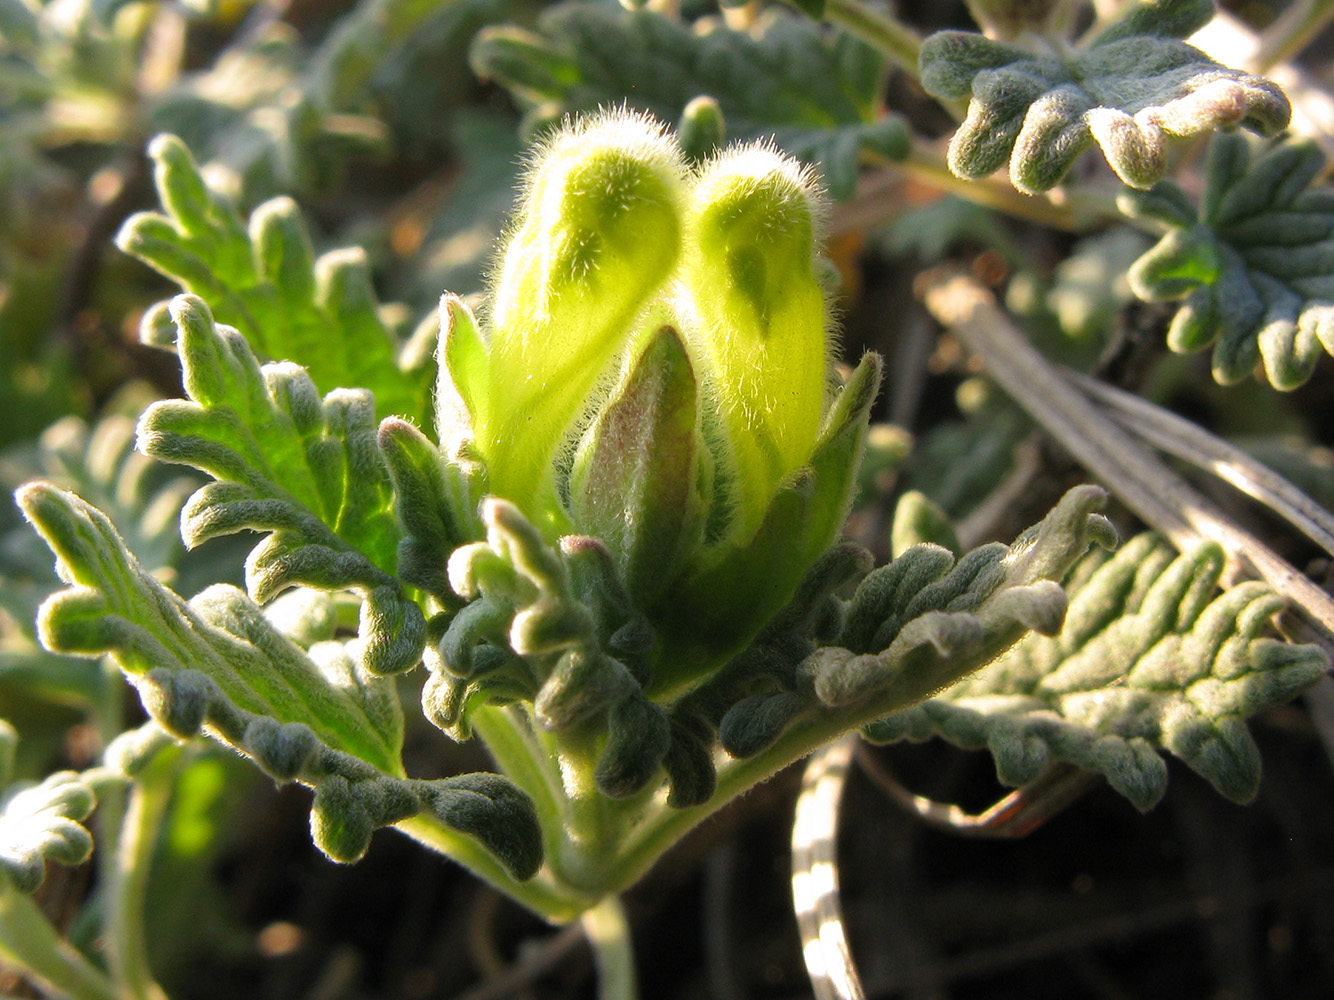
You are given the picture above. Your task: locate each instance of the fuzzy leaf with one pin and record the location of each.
(913, 627)
(307, 470)
(557, 629)
(43, 823)
(217, 663)
(1130, 89)
(811, 94)
(266, 281)
(271, 115)
(1151, 659)
(1254, 266)
(428, 491)
(143, 495)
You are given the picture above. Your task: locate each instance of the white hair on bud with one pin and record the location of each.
(762, 161)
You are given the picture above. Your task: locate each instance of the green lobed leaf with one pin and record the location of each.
(217, 663)
(557, 629)
(786, 81)
(1131, 88)
(307, 470)
(913, 626)
(265, 280)
(1152, 658)
(1253, 265)
(98, 461)
(41, 823)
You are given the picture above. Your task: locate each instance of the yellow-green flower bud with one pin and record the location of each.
(760, 317)
(597, 234)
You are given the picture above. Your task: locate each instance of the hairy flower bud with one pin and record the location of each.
(760, 316)
(597, 233)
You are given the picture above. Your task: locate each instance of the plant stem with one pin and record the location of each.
(881, 31)
(128, 868)
(514, 748)
(29, 943)
(555, 903)
(608, 933)
(1288, 35)
(1078, 208)
(664, 827)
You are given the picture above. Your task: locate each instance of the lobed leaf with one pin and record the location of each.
(1253, 265)
(813, 95)
(145, 496)
(556, 629)
(1151, 659)
(217, 663)
(913, 627)
(1131, 88)
(41, 823)
(265, 280)
(305, 469)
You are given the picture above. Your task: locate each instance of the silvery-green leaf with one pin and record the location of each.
(305, 469)
(1131, 89)
(811, 93)
(1151, 659)
(1253, 266)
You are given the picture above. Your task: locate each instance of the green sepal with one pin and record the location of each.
(1151, 659)
(741, 588)
(1131, 88)
(636, 479)
(463, 373)
(307, 470)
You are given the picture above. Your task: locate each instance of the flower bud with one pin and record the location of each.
(761, 317)
(597, 234)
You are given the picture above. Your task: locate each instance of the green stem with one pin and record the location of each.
(881, 31)
(127, 876)
(608, 933)
(514, 747)
(661, 830)
(1288, 35)
(1078, 208)
(29, 943)
(555, 903)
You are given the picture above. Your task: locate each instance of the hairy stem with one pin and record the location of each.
(1291, 33)
(555, 903)
(29, 943)
(127, 876)
(608, 933)
(880, 30)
